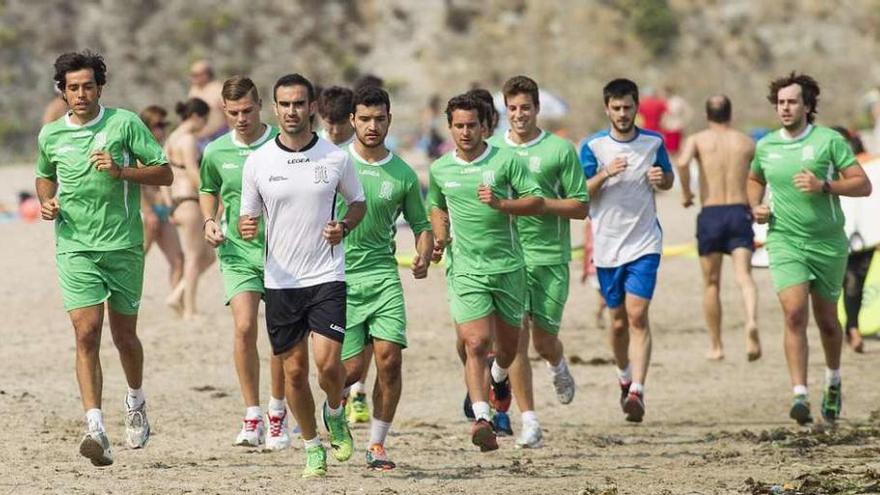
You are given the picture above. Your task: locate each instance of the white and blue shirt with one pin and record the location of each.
(624, 216)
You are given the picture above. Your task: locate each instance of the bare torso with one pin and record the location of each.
(211, 94)
(182, 152)
(724, 155)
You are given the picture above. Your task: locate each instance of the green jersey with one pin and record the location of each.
(391, 187)
(554, 164)
(220, 171)
(819, 150)
(96, 211)
(484, 240)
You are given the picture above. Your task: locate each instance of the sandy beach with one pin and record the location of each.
(710, 427)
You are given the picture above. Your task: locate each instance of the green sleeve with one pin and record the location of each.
(756, 163)
(572, 179)
(45, 166)
(521, 179)
(842, 155)
(143, 145)
(414, 207)
(208, 175)
(436, 199)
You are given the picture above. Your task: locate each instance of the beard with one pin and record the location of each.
(379, 142)
(621, 129)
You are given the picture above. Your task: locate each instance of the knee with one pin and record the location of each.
(246, 332)
(328, 367)
(828, 324)
(296, 375)
(126, 341)
(476, 346)
(711, 281)
(619, 325)
(796, 320)
(89, 339)
(638, 321)
(389, 363)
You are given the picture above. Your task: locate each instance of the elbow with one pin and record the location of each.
(868, 188)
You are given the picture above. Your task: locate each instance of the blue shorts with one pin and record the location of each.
(723, 228)
(638, 277)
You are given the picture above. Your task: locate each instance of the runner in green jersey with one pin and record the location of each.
(92, 153)
(806, 168)
(375, 306)
(478, 188)
(241, 262)
(546, 242)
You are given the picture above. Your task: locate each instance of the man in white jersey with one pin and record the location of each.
(294, 180)
(624, 165)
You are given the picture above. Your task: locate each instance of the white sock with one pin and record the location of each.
(625, 374)
(637, 388)
(277, 406)
(800, 390)
(378, 431)
(95, 420)
(357, 388)
(559, 368)
(315, 442)
(529, 417)
(481, 410)
(253, 412)
(832, 377)
(499, 374)
(135, 398)
(334, 411)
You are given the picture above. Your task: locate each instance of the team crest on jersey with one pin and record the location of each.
(489, 177)
(321, 175)
(808, 153)
(229, 165)
(535, 164)
(385, 190)
(100, 140)
(64, 149)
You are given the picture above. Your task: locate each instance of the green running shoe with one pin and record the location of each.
(340, 436)
(357, 409)
(800, 410)
(832, 402)
(316, 462)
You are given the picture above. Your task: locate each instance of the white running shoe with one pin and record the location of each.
(137, 428)
(278, 438)
(252, 434)
(530, 437)
(563, 382)
(96, 447)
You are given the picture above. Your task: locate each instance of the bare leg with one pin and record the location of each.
(795, 306)
(299, 394)
(742, 265)
(169, 243)
(247, 361)
(87, 323)
(619, 336)
(521, 372)
(131, 352)
(711, 267)
(198, 256)
(639, 336)
(331, 373)
(547, 345)
(477, 338)
(825, 313)
(389, 381)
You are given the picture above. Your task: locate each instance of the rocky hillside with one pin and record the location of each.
(423, 47)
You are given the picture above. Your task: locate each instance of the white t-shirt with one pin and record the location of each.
(624, 216)
(297, 192)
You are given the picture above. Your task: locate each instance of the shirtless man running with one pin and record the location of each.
(724, 225)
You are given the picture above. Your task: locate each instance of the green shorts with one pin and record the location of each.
(240, 275)
(476, 296)
(547, 293)
(92, 277)
(819, 262)
(374, 310)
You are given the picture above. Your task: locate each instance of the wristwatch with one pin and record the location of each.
(826, 187)
(345, 228)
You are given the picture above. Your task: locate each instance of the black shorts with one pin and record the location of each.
(723, 228)
(292, 313)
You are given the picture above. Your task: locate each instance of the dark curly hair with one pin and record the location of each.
(74, 61)
(466, 102)
(809, 91)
